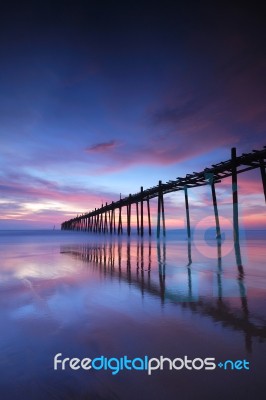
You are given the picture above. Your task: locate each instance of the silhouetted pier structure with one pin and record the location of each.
(105, 220)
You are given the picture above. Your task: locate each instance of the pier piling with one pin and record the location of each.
(263, 176)
(235, 195)
(187, 213)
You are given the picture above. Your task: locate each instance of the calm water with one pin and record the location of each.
(87, 295)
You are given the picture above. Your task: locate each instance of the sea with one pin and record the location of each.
(95, 316)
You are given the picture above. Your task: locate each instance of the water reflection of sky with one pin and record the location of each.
(85, 296)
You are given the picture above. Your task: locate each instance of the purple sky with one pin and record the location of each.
(100, 97)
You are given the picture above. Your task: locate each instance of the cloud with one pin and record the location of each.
(102, 147)
(165, 149)
(249, 184)
(177, 112)
(24, 197)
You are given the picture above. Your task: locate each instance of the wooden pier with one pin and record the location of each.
(103, 219)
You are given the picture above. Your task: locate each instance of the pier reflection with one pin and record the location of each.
(145, 266)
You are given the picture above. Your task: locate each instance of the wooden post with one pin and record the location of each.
(105, 229)
(114, 223)
(149, 215)
(215, 207)
(263, 176)
(120, 222)
(128, 225)
(163, 218)
(141, 212)
(159, 211)
(235, 195)
(101, 220)
(95, 222)
(187, 213)
(111, 221)
(137, 212)
(129, 217)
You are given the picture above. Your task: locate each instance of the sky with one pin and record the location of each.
(98, 98)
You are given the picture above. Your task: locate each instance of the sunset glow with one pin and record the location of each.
(90, 112)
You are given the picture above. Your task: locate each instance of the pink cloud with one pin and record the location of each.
(54, 203)
(249, 183)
